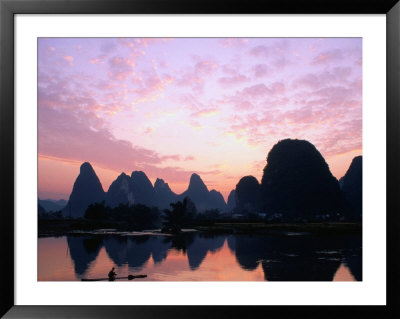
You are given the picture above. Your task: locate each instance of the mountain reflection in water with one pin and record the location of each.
(197, 256)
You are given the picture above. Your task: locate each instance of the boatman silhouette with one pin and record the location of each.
(112, 275)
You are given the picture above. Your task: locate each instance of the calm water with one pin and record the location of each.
(195, 256)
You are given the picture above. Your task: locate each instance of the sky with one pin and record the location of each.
(176, 106)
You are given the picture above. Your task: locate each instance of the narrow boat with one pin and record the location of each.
(130, 277)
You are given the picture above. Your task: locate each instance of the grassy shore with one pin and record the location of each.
(63, 226)
(58, 227)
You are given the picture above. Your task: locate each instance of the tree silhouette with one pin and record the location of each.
(180, 214)
(96, 211)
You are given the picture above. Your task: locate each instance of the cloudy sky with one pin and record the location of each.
(172, 107)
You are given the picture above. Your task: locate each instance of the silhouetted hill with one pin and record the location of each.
(216, 200)
(41, 210)
(202, 198)
(136, 189)
(51, 205)
(297, 182)
(163, 194)
(87, 190)
(120, 192)
(143, 192)
(248, 195)
(196, 185)
(231, 201)
(352, 186)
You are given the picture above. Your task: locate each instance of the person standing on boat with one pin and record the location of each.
(112, 275)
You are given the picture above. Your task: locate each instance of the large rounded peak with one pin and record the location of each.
(247, 194)
(357, 161)
(248, 180)
(86, 168)
(138, 174)
(196, 183)
(292, 150)
(295, 156)
(297, 181)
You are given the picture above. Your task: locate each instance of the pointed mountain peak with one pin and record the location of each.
(140, 178)
(122, 176)
(195, 177)
(160, 185)
(87, 190)
(86, 167)
(196, 183)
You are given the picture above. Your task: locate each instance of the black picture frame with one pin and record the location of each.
(8, 8)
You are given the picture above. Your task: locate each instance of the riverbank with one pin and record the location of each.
(314, 228)
(64, 226)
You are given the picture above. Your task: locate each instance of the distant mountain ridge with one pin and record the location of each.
(136, 189)
(297, 184)
(51, 205)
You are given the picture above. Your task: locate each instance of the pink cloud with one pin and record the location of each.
(151, 86)
(49, 50)
(205, 112)
(233, 42)
(244, 106)
(98, 60)
(190, 102)
(260, 70)
(282, 62)
(277, 47)
(195, 124)
(195, 78)
(170, 157)
(228, 69)
(205, 67)
(233, 80)
(121, 68)
(328, 56)
(69, 59)
(65, 135)
(259, 90)
(338, 75)
(189, 158)
(191, 80)
(262, 50)
(67, 93)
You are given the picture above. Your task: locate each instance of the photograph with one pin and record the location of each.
(199, 159)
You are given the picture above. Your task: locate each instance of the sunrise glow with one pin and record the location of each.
(176, 106)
